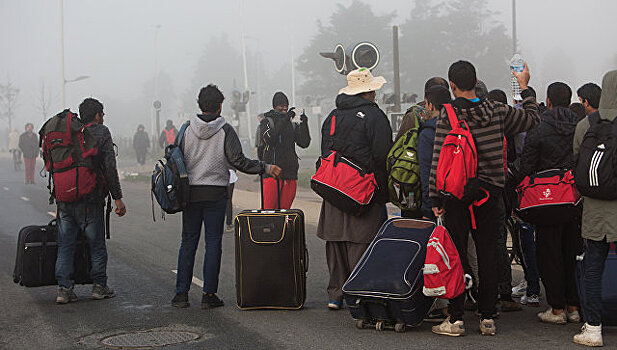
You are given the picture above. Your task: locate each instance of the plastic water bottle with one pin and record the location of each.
(517, 64)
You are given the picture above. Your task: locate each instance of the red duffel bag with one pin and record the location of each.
(344, 184)
(548, 196)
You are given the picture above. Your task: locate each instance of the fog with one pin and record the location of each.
(113, 42)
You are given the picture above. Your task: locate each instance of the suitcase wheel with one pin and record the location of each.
(399, 327)
(360, 324)
(379, 326)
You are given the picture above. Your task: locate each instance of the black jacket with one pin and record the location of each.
(550, 144)
(363, 134)
(141, 141)
(106, 158)
(280, 140)
(29, 145)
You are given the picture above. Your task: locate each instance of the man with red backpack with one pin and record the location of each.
(80, 185)
(476, 202)
(168, 135)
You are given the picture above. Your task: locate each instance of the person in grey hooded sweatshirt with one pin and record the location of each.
(211, 147)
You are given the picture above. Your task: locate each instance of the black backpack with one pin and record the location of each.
(596, 168)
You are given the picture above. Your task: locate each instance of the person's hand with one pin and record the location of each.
(275, 171)
(438, 211)
(291, 112)
(523, 77)
(303, 117)
(120, 207)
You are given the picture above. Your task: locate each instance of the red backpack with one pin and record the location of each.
(170, 136)
(443, 271)
(69, 149)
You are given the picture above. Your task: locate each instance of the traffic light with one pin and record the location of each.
(361, 55)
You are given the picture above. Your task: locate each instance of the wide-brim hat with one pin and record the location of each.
(361, 80)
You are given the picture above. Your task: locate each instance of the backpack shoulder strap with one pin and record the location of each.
(180, 135)
(451, 115)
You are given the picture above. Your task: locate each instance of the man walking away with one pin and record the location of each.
(281, 132)
(368, 142)
(549, 147)
(141, 143)
(29, 146)
(599, 226)
(589, 96)
(88, 215)
(14, 149)
(168, 135)
(210, 147)
(488, 122)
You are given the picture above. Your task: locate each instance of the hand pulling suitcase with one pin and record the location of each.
(271, 258)
(609, 287)
(37, 250)
(385, 288)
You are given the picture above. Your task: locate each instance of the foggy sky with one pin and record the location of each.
(113, 42)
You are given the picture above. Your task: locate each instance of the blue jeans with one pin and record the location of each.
(212, 215)
(74, 218)
(595, 259)
(530, 265)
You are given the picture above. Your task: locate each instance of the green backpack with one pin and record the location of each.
(404, 171)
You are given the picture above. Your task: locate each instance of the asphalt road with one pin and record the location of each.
(142, 255)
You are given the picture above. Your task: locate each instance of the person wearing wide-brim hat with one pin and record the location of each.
(362, 133)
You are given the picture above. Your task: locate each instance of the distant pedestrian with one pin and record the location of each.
(168, 135)
(29, 146)
(14, 149)
(141, 143)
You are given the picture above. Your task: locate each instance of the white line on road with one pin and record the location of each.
(25, 198)
(5, 188)
(51, 213)
(196, 280)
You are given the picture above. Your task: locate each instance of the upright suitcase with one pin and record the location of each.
(609, 287)
(385, 288)
(271, 259)
(37, 250)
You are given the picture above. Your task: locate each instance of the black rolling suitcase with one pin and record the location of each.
(271, 259)
(385, 288)
(35, 264)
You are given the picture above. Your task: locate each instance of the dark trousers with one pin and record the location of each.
(526, 237)
(212, 215)
(141, 155)
(505, 268)
(595, 259)
(490, 224)
(230, 206)
(342, 257)
(557, 248)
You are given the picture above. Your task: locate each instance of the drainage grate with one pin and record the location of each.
(150, 338)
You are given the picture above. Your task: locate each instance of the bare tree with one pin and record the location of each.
(43, 102)
(8, 101)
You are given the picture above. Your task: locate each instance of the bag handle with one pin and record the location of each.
(278, 191)
(439, 220)
(454, 122)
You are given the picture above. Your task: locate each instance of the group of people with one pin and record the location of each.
(26, 145)
(536, 137)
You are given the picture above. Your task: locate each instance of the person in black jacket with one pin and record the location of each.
(359, 130)
(549, 146)
(141, 143)
(281, 131)
(88, 214)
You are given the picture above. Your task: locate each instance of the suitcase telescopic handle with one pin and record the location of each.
(278, 191)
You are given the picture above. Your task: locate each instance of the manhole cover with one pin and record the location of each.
(153, 338)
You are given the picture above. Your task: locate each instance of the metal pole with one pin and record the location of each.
(156, 127)
(246, 79)
(62, 77)
(397, 80)
(293, 73)
(514, 48)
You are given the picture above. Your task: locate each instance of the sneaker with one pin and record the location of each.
(530, 300)
(549, 317)
(487, 327)
(210, 301)
(452, 329)
(181, 300)
(520, 290)
(334, 305)
(509, 306)
(65, 295)
(589, 335)
(573, 317)
(99, 292)
(436, 316)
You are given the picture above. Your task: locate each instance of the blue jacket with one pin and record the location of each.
(426, 139)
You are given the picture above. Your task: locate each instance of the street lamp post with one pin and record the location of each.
(63, 78)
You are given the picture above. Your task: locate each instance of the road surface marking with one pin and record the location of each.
(25, 198)
(51, 213)
(5, 188)
(196, 280)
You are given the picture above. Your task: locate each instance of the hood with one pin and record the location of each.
(472, 111)
(608, 99)
(352, 101)
(206, 129)
(562, 119)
